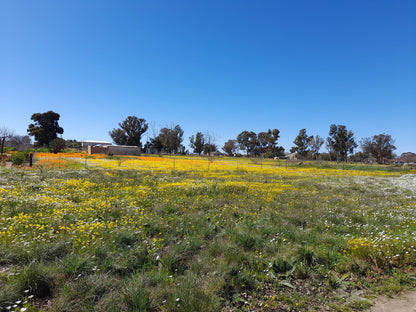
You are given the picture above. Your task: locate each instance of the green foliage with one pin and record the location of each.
(281, 266)
(73, 265)
(379, 146)
(263, 143)
(315, 145)
(73, 144)
(18, 159)
(197, 142)
(170, 139)
(36, 279)
(302, 142)
(45, 128)
(230, 147)
(192, 240)
(341, 141)
(135, 296)
(57, 145)
(43, 150)
(130, 131)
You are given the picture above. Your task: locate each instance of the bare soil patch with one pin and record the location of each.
(406, 303)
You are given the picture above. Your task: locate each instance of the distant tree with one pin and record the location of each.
(264, 143)
(315, 145)
(73, 144)
(340, 141)
(379, 146)
(171, 139)
(45, 128)
(21, 142)
(119, 136)
(267, 143)
(5, 135)
(230, 147)
(359, 157)
(153, 143)
(57, 145)
(209, 143)
(197, 142)
(210, 148)
(130, 131)
(302, 143)
(247, 141)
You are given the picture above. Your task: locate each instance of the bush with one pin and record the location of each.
(57, 145)
(43, 150)
(18, 158)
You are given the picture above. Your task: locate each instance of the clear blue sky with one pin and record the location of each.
(218, 65)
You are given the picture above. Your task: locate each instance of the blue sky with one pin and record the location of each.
(217, 66)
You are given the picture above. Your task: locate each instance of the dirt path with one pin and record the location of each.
(405, 303)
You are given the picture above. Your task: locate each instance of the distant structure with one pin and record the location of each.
(114, 150)
(85, 144)
(107, 148)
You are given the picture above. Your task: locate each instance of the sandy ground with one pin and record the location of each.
(406, 303)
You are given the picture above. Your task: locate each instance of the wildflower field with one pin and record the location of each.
(82, 233)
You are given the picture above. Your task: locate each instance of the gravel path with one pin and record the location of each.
(406, 303)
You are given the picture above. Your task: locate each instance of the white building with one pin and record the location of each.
(87, 143)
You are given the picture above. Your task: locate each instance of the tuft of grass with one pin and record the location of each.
(135, 296)
(35, 279)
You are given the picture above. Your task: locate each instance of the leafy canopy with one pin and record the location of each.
(302, 143)
(340, 141)
(171, 139)
(379, 146)
(197, 142)
(130, 131)
(45, 128)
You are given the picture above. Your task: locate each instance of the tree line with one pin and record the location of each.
(340, 143)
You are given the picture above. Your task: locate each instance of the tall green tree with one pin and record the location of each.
(171, 139)
(45, 128)
(267, 143)
(263, 143)
(197, 142)
(340, 141)
(380, 146)
(247, 141)
(130, 131)
(302, 143)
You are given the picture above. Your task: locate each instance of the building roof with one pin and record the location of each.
(94, 141)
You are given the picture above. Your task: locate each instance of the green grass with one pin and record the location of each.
(131, 240)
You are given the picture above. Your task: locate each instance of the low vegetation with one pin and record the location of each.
(102, 233)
